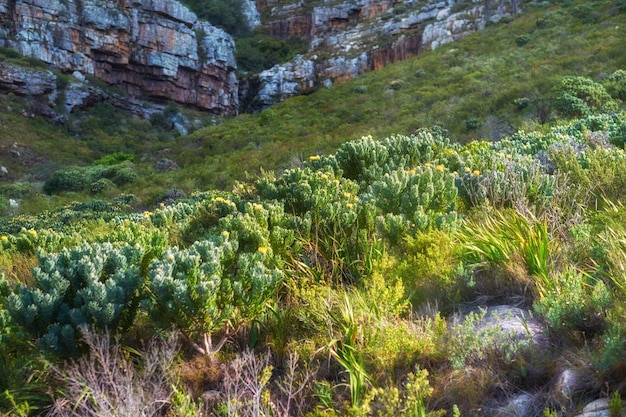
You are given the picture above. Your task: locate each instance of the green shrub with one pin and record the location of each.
(522, 40)
(124, 175)
(9, 53)
(577, 303)
(114, 159)
(69, 179)
(95, 286)
(79, 178)
(260, 52)
(586, 13)
(505, 239)
(580, 97)
(473, 123)
(227, 14)
(15, 190)
(200, 289)
(425, 197)
(615, 85)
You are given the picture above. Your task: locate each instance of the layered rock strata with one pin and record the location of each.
(152, 49)
(348, 38)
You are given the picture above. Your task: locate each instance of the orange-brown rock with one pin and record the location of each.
(152, 49)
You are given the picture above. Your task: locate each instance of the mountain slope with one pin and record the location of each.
(486, 85)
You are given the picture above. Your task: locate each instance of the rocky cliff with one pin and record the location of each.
(348, 38)
(152, 49)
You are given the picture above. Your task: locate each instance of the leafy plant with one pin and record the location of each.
(91, 286)
(501, 240)
(580, 96)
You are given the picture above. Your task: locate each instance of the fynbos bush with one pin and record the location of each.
(95, 286)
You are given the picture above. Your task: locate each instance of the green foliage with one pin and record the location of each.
(580, 97)
(428, 267)
(92, 286)
(77, 178)
(114, 159)
(410, 402)
(585, 13)
(522, 40)
(417, 199)
(15, 190)
(615, 84)
(9, 53)
(615, 405)
(260, 52)
(575, 304)
(367, 160)
(199, 289)
(476, 342)
(227, 14)
(188, 290)
(601, 171)
(504, 239)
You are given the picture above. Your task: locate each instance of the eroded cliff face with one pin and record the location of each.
(152, 49)
(350, 37)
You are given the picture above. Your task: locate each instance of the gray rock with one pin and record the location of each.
(598, 408)
(517, 324)
(251, 13)
(351, 32)
(572, 381)
(26, 82)
(155, 49)
(523, 405)
(79, 76)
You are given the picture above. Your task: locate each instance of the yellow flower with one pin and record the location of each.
(427, 164)
(219, 199)
(324, 176)
(411, 172)
(170, 257)
(161, 205)
(509, 156)
(226, 201)
(262, 250)
(336, 181)
(454, 173)
(257, 207)
(225, 234)
(4, 238)
(439, 168)
(350, 205)
(314, 158)
(347, 195)
(467, 170)
(476, 172)
(501, 154)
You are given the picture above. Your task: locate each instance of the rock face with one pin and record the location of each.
(26, 82)
(152, 49)
(348, 38)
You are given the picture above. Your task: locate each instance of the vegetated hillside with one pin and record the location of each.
(406, 276)
(487, 85)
